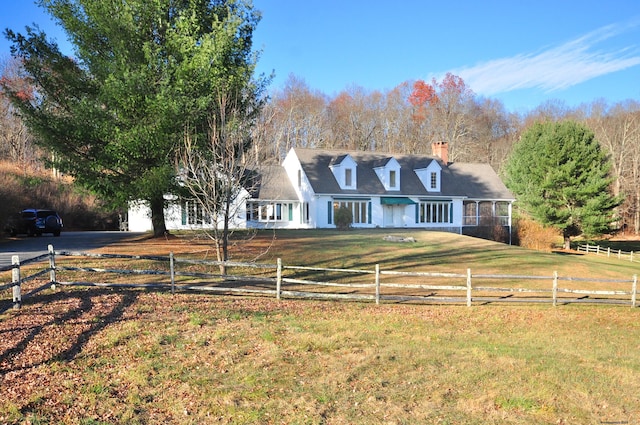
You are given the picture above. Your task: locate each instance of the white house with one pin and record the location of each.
(381, 190)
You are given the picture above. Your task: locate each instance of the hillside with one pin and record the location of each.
(432, 251)
(28, 188)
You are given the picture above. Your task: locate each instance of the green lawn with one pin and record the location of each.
(97, 356)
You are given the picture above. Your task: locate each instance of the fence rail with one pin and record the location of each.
(616, 253)
(292, 281)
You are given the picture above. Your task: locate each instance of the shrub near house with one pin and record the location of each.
(343, 218)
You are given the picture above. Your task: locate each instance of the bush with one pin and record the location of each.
(531, 234)
(343, 218)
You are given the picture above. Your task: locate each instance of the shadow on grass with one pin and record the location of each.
(565, 252)
(38, 325)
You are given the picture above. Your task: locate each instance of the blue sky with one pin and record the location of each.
(520, 52)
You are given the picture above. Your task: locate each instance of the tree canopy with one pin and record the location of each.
(144, 74)
(561, 178)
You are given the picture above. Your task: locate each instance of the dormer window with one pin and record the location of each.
(431, 176)
(344, 170)
(388, 171)
(348, 176)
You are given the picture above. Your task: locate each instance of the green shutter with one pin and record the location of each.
(451, 212)
(329, 210)
(184, 213)
(417, 213)
(290, 212)
(369, 213)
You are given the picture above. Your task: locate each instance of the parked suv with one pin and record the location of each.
(34, 222)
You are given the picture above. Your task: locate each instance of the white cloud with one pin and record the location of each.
(553, 69)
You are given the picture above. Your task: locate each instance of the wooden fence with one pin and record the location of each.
(290, 281)
(616, 253)
(17, 280)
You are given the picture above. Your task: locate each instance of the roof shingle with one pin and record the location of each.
(476, 181)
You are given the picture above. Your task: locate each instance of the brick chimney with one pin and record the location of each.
(441, 150)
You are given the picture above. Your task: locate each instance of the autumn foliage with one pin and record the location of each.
(12, 81)
(530, 234)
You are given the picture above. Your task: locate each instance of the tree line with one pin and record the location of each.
(407, 118)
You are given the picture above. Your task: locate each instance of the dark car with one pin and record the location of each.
(34, 222)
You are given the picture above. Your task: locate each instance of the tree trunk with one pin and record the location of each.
(157, 216)
(225, 233)
(636, 216)
(567, 241)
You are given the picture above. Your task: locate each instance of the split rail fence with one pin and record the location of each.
(616, 253)
(288, 281)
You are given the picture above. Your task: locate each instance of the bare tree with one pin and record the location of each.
(492, 132)
(633, 195)
(217, 175)
(443, 109)
(343, 122)
(617, 129)
(16, 143)
(295, 117)
(355, 119)
(397, 125)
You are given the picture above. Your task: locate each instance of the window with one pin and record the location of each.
(434, 180)
(252, 211)
(257, 211)
(348, 177)
(470, 213)
(193, 214)
(502, 213)
(485, 210)
(392, 178)
(305, 212)
(486, 213)
(434, 212)
(359, 210)
(271, 212)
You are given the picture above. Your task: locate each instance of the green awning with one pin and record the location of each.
(396, 201)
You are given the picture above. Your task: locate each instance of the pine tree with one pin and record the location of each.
(144, 73)
(560, 177)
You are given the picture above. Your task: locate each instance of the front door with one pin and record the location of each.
(388, 216)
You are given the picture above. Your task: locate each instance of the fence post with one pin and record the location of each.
(15, 279)
(468, 287)
(377, 283)
(634, 289)
(555, 288)
(608, 251)
(173, 273)
(52, 267)
(278, 278)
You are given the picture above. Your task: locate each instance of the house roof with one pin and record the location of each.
(476, 181)
(273, 184)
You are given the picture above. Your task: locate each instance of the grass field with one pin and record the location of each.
(97, 356)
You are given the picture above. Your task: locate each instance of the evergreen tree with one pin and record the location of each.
(144, 74)
(561, 178)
